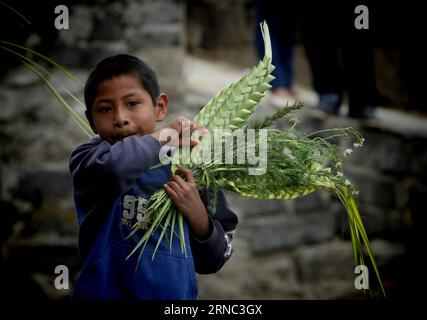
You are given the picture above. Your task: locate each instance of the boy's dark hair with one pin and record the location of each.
(121, 64)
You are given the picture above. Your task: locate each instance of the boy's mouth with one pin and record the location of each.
(120, 137)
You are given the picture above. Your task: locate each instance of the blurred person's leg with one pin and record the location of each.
(358, 65)
(360, 81)
(320, 32)
(282, 20)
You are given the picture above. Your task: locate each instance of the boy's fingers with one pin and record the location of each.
(188, 175)
(197, 126)
(186, 143)
(170, 192)
(174, 186)
(194, 142)
(194, 126)
(180, 181)
(184, 123)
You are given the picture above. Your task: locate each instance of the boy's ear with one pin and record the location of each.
(162, 107)
(89, 118)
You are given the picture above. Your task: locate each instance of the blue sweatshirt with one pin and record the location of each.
(110, 185)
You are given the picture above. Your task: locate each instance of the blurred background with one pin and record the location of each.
(361, 67)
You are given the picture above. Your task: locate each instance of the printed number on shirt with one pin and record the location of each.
(132, 205)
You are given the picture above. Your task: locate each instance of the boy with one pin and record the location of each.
(111, 182)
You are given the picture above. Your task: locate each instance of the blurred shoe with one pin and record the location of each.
(364, 112)
(329, 103)
(281, 96)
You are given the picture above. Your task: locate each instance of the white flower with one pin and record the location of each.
(347, 152)
(347, 182)
(359, 143)
(340, 174)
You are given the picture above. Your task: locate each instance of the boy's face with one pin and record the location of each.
(122, 107)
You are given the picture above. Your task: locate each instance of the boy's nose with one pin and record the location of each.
(120, 118)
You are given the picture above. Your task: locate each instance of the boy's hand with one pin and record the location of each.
(184, 194)
(174, 131)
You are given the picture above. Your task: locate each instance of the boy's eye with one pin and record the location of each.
(104, 109)
(133, 103)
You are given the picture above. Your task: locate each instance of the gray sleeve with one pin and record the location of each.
(112, 169)
(212, 253)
